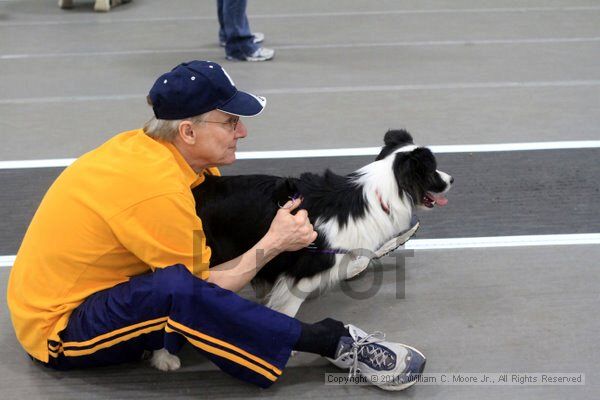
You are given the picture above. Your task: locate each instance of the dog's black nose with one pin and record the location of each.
(451, 180)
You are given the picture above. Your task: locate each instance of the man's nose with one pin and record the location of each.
(240, 130)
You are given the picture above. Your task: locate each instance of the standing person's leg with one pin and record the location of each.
(240, 43)
(222, 36)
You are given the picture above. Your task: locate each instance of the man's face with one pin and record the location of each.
(217, 138)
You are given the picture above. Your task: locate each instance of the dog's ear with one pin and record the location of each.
(393, 139)
(411, 170)
(414, 165)
(284, 190)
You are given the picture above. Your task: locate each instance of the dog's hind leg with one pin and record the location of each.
(287, 296)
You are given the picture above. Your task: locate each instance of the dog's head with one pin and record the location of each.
(415, 170)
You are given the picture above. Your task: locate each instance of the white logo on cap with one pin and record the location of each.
(261, 100)
(228, 77)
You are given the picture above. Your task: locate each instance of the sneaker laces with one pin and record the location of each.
(376, 354)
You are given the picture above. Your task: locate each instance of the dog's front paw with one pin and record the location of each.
(396, 242)
(356, 266)
(165, 361)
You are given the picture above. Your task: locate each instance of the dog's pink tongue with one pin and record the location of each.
(441, 201)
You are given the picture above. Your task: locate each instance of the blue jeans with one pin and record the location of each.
(234, 28)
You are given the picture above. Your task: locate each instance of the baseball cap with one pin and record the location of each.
(196, 87)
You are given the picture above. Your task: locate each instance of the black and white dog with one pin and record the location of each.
(353, 214)
(359, 211)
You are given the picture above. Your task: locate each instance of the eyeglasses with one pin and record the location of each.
(232, 122)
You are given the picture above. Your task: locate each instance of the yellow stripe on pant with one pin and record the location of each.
(270, 372)
(109, 339)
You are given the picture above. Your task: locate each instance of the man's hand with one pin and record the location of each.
(288, 232)
(291, 232)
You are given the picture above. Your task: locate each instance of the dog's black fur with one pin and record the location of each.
(236, 211)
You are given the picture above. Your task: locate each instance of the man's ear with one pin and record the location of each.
(186, 132)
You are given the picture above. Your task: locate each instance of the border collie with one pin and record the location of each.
(354, 216)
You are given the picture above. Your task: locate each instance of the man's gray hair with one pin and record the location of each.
(166, 129)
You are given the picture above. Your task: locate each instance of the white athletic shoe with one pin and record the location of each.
(102, 5)
(387, 365)
(106, 5)
(262, 54)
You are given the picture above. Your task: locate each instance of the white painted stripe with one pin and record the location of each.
(425, 43)
(112, 20)
(503, 241)
(115, 53)
(23, 164)
(462, 42)
(483, 148)
(347, 152)
(440, 149)
(433, 86)
(275, 154)
(73, 99)
(7, 261)
(328, 89)
(470, 243)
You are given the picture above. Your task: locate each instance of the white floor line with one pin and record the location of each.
(470, 243)
(461, 42)
(503, 241)
(330, 89)
(112, 20)
(439, 149)
(138, 52)
(432, 86)
(7, 261)
(347, 152)
(212, 50)
(24, 164)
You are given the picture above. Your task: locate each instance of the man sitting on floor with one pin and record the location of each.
(114, 263)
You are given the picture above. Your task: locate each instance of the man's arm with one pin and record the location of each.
(288, 232)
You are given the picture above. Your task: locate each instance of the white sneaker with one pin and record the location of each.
(106, 5)
(387, 365)
(102, 5)
(262, 54)
(259, 37)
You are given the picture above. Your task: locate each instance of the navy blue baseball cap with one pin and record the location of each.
(197, 87)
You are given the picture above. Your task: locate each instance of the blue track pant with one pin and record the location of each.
(168, 307)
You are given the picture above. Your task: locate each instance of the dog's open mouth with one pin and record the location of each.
(431, 199)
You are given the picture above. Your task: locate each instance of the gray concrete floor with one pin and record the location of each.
(452, 72)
